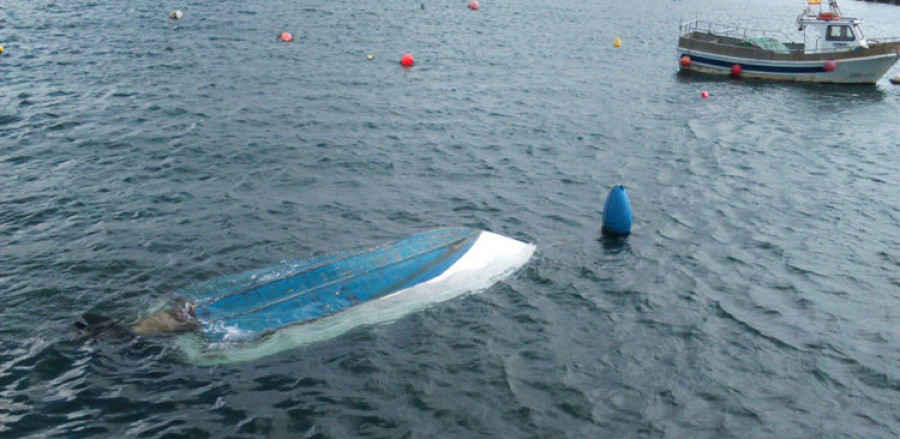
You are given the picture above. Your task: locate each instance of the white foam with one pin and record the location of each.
(490, 259)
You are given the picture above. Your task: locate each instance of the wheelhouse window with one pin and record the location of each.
(839, 33)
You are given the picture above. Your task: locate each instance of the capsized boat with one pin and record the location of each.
(833, 50)
(258, 313)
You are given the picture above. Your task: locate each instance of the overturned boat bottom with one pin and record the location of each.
(491, 258)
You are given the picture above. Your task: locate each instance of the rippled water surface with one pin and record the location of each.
(758, 295)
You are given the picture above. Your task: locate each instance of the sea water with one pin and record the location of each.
(757, 295)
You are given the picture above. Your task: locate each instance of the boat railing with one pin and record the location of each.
(710, 31)
(871, 41)
(881, 40)
(727, 30)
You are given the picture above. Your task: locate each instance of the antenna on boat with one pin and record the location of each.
(835, 9)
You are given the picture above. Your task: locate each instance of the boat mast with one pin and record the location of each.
(833, 13)
(835, 8)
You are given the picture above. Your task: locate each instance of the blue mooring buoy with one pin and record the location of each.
(617, 212)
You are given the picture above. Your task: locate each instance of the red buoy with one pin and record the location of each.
(685, 61)
(473, 5)
(704, 94)
(736, 71)
(830, 65)
(406, 60)
(286, 37)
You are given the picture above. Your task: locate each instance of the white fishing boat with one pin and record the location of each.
(833, 50)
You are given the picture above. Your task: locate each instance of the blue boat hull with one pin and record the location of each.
(256, 302)
(262, 312)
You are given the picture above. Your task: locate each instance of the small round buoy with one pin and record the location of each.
(617, 212)
(894, 80)
(406, 60)
(617, 43)
(176, 15)
(1, 49)
(473, 5)
(685, 61)
(704, 94)
(286, 37)
(830, 65)
(370, 57)
(736, 71)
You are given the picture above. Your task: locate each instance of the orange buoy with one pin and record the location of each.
(685, 61)
(736, 71)
(830, 65)
(473, 5)
(286, 37)
(406, 60)
(704, 94)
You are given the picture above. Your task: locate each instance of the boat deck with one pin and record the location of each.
(736, 42)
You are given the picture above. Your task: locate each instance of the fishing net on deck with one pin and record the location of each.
(766, 43)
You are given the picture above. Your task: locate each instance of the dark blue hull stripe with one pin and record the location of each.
(756, 68)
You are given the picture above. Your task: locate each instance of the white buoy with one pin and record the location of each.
(176, 15)
(896, 79)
